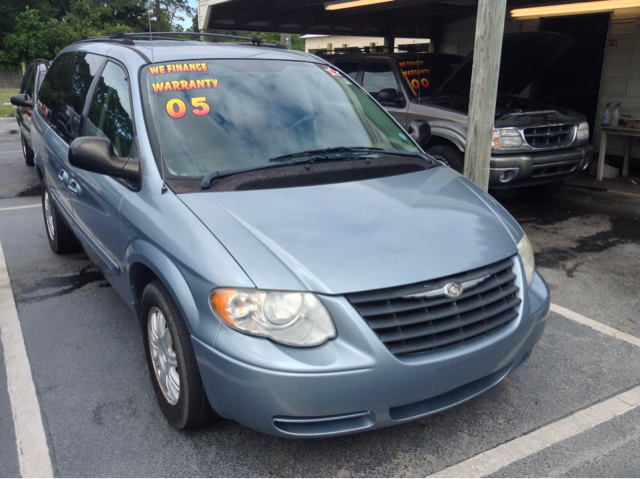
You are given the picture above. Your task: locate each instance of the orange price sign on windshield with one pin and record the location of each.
(177, 109)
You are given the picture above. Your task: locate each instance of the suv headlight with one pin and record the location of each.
(294, 319)
(525, 250)
(501, 138)
(583, 131)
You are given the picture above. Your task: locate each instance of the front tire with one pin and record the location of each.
(172, 362)
(27, 152)
(449, 155)
(61, 239)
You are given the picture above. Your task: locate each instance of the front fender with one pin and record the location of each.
(444, 131)
(197, 314)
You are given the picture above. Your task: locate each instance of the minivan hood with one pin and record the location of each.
(357, 236)
(524, 56)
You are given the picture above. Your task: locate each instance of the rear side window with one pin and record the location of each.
(350, 68)
(110, 110)
(64, 90)
(379, 76)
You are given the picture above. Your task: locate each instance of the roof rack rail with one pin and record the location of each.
(127, 38)
(124, 41)
(119, 35)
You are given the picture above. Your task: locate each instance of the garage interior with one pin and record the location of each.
(602, 68)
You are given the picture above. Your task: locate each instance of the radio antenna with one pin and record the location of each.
(155, 98)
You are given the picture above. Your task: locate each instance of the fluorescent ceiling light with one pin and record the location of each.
(351, 3)
(573, 8)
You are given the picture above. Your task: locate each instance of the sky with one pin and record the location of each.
(188, 22)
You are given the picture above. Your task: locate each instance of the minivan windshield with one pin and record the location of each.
(222, 115)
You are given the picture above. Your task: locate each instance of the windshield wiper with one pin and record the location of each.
(207, 180)
(339, 149)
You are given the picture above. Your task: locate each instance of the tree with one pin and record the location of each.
(40, 28)
(36, 38)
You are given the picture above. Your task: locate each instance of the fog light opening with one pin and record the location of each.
(507, 175)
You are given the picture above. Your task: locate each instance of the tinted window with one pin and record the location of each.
(27, 82)
(425, 76)
(350, 68)
(378, 76)
(64, 91)
(110, 110)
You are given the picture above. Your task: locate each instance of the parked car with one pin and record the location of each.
(25, 100)
(296, 262)
(533, 143)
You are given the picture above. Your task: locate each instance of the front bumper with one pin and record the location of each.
(353, 383)
(528, 169)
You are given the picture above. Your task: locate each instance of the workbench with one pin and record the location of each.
(616, 130)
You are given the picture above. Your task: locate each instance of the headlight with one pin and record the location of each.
(506, 138)
(295, 319)
(583, 131)
(526, 253)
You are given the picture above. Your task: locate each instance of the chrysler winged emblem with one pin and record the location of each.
(452, 290)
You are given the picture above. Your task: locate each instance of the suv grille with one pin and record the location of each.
(417, 325)
(549, 136)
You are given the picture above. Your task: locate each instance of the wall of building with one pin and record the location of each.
(339, 41)
(458, 37)
(621, 74)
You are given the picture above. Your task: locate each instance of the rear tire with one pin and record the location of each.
(61, 239)
(449, 155)
(27, 152)
(546, 189)
(172, 362)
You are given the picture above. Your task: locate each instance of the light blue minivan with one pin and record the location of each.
(296, 262)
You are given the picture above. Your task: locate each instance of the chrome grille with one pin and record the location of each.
(417, 325)
(549, 136)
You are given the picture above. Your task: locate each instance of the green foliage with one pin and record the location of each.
(40, 28)
(34, 37)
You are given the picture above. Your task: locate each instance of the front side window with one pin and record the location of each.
(110, 110)
(64, 91)
(215, 116)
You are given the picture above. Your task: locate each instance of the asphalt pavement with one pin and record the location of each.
(101, 418)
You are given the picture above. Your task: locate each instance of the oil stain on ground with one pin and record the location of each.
(566, 226)
(53, 286)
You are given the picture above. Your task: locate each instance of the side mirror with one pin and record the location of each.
(388, 95)
(420, 131)
(96, 154)
(21, 100)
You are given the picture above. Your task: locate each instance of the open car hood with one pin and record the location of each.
(524, 56)
(358, 236)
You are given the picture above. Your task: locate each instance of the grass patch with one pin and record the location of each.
(5, 97)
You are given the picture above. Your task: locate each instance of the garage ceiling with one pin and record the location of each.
(400, 18)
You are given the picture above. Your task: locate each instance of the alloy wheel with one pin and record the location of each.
(165, 361)
(48, 215)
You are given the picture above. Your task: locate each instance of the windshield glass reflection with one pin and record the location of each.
(230, 114)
